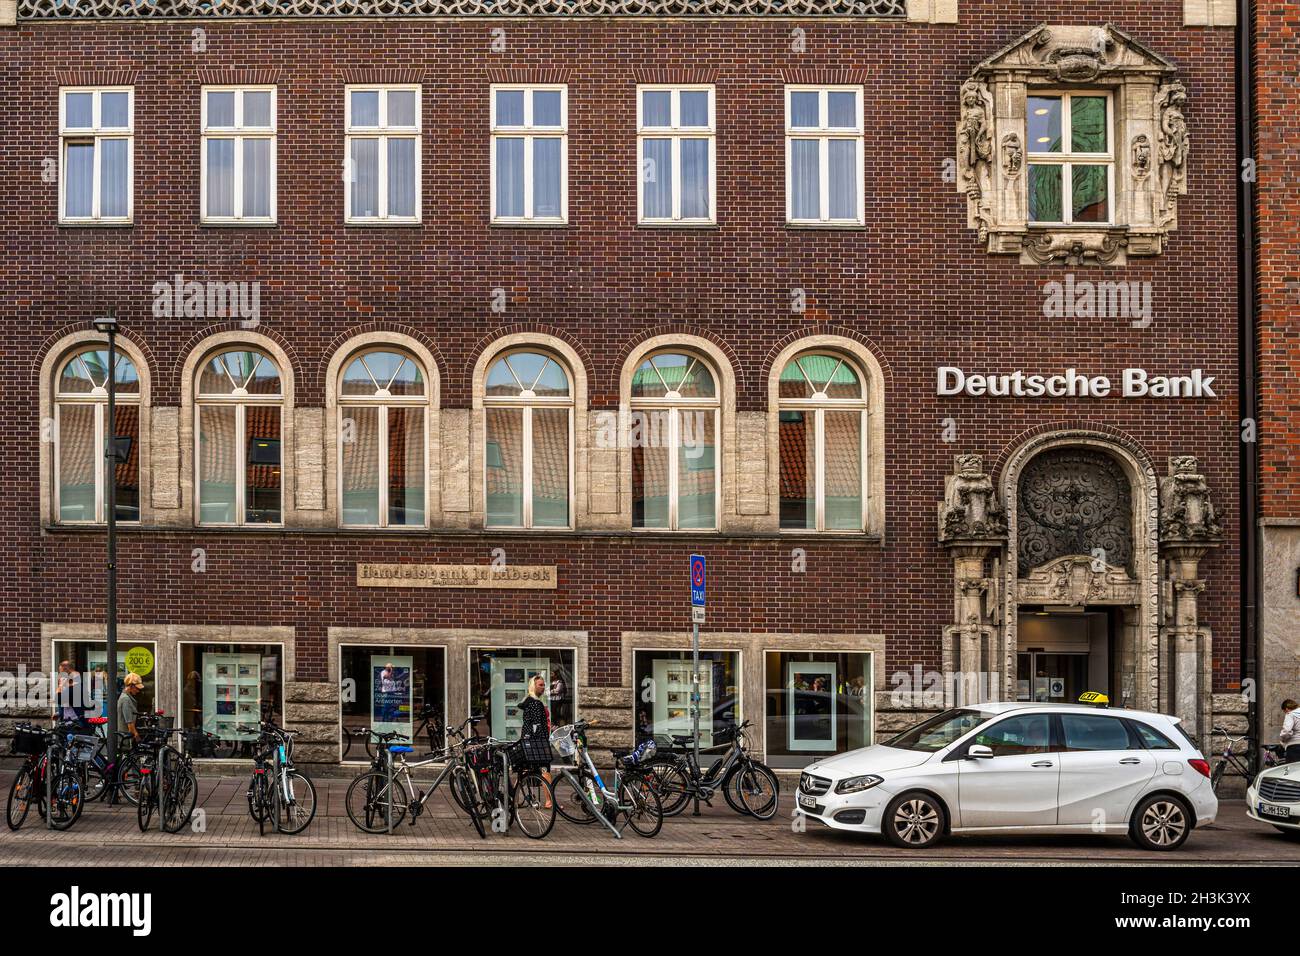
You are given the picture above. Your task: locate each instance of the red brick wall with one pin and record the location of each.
(914, 283)
(1277, 102)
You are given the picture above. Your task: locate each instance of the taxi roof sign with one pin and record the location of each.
(1094, 697)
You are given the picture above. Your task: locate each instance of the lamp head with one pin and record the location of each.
(106, 324)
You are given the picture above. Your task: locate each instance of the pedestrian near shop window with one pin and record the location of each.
(1290, 735)
(70, 702)
(537, 719)
(127, 709)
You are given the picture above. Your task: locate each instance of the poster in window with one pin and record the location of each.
(509, 685)
(232, 695)
(811, 696)
(390, 693)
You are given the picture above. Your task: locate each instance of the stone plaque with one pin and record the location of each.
(456, 576)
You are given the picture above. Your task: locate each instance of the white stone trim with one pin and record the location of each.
(1209, 13)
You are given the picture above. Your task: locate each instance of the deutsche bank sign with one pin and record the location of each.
(1135, 383)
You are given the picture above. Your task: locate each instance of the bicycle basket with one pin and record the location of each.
(82, 749)
(562, 741)
(536, 751)
(28, 740)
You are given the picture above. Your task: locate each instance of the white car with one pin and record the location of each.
(1019, 768)
(1274, 797)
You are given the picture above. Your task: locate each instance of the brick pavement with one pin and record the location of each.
(443, 836)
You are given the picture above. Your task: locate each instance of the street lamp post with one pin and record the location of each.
(108, 326)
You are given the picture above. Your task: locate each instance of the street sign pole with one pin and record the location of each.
(698, 597)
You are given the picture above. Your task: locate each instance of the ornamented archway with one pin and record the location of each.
(1079, 518)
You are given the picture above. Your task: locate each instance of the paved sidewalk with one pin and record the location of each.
(443, 836)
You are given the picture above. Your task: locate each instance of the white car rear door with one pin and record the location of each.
(1104, 768)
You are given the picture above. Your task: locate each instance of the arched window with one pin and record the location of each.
(823, 435)
(82, 433)
(383, 399)
(673, 433)
(238, 404)
(528, 466)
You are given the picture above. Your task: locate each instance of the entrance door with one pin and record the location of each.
(1051, 678)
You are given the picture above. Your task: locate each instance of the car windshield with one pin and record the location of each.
(939, 731)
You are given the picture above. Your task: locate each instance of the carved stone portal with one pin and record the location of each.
(1074, 501)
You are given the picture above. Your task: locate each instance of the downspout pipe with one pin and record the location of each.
(1247, 358)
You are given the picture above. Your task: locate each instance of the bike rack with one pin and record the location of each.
(618, 834)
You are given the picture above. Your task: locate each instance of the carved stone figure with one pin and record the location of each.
(1186, 512)
(1073, 250)
(970, 509)
(1141, 156)
(1172, 141)
(975, 151)
(1012, 155)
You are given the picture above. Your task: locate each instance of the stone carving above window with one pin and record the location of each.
(190, 9)
(1072, 148)
(1074, 503)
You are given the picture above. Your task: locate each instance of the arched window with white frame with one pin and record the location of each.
(383, 433)
(238, 407)
(528, 444)
(823, 437)
(83, 434)
(676, 483)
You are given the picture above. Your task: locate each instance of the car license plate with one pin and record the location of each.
(806, 801)
(1273, 810)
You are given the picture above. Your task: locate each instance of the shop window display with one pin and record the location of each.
(817, 704)
(499, 681)
(663, 694)
(391, 688)
(227, 689)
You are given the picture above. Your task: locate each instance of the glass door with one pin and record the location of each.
(1051, 677)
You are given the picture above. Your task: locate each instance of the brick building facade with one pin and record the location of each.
(1051, 542)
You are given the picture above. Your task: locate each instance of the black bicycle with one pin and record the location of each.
(168, 784)
(1234, 764)
(278, 793)
(427, 725)
(750, 788)
(47, 779)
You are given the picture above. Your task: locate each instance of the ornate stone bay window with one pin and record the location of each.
(1072, 148)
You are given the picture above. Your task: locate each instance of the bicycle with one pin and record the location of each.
(1271, 755)
(379, 798)
(168, 783)
(44, 774)
(633, 796)
(427, 722)
(287, 798)
(750, 787)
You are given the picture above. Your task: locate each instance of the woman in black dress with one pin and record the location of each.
(537, 719)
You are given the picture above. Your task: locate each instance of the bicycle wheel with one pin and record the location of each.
(533, 804)
(670, 780)
(181, 797)
(93, 783)
(569, 802)
(757, 789)
(22, 793)
(67, 797)
(1217, 774)
(257, 797)
(467, 796)
(145, 804)
(296, 813)
(368, 799)
(638, 798)
(128, 777)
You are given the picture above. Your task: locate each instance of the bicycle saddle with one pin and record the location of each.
(397, 749)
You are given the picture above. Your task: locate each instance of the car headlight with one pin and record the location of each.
(856, 784)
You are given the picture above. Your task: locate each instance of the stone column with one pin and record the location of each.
(973, 527)
(1189, 528)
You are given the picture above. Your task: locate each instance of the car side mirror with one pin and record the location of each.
(979, 752)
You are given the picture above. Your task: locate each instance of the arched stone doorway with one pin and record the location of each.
(1078, 548)
(1081, 592)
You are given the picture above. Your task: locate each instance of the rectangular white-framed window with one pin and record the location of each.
(1071, 158)
(227, 688)
(530, 154)
(398, 687)
(382, 163)
(676, 155)
(96, 155)
(666, 712)
(823, 155)
(237, 167)
(816, 703)
(498, 682)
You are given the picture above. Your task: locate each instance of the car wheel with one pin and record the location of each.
(914, 820)
(1160, 822)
